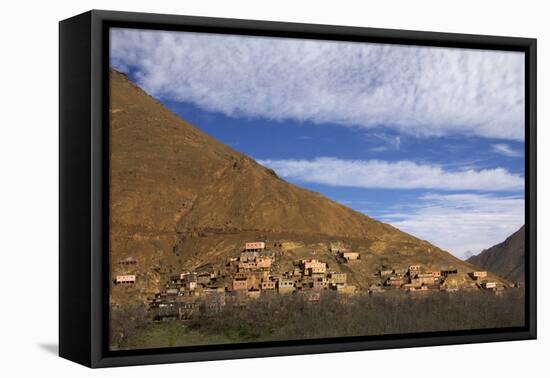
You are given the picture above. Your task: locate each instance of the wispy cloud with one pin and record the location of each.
(506, 150)
(400, 174)
(410, 89)
(461, 222)
(389, 142)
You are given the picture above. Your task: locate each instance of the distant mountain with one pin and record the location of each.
(180, 200)
(506, 259)
(468, 254)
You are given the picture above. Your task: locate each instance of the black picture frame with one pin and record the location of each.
(84, 184)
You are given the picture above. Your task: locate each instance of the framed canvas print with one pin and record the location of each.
(233, 188)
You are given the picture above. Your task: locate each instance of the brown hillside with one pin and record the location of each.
(507, 259)
(181, 199)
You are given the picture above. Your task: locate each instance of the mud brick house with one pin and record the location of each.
(268, 284)
(395, 281)
(285, 285)
(314, 267)
(125, 279)
(321, 283)
(190, 285)
(239, 284)
(449, 272)
(414, 270)
(346, 289)
(478, 275)
(350, 256)
(128, 261)
(254, 247)
(337, 278)
(489, 285)
(423, 279)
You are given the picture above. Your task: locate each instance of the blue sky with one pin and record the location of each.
(429, 140)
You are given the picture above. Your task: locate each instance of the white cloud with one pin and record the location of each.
(460, 223)
(421, 91)
(506, 150)
(399, 174)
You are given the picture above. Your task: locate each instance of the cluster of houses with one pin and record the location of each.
(416, 279)
(255, 272)
(250, 275)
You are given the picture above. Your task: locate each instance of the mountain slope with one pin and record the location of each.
(506, 259)
(180, 199)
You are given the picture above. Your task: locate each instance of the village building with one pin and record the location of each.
(346, 289)
(321, 283)
(285, 285)
(314, 267)
(128, 261)
(489, 285)
(190, 285)
(239, 284)
(268, 284)
(478, 275)
(254, 247)
(418, 289)
(395, 281)
(188, 276)
(414, 270)
(350, 256)
(337, 278)
(423, 279)
(125, 279)
(449, 272)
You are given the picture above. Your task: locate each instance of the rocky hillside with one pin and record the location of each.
(181, 199)
(506, 259)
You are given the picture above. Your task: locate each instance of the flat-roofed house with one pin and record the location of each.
(414, 270)
(263, 263)
(395, 281)
(489, 285)
(424, 279)
(285, 285)
(125, 279)
(314, 267)
(449, 272)
(478, 275)
(337, 278)
(239, 284)
(350, 256)
(268, 285)
(321, 284)
(254, 246)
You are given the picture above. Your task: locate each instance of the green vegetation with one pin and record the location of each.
(281, 317)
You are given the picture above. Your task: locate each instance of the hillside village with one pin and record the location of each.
(255, 272)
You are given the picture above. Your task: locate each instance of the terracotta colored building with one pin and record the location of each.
(125, 279)
(254, 246)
